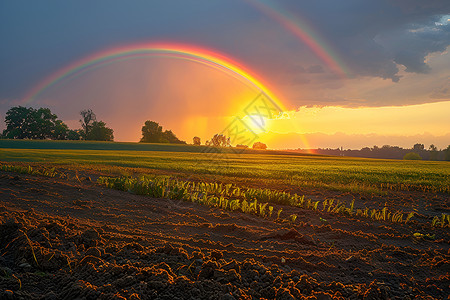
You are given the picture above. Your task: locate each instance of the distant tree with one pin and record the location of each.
(418, 147)
(433, 152)
(447, 153)
(219, 140)
(196, 141)
(99, 132)
(87, 119)
(412, 156)
(169, 137)
(259, 146)
(152, 133)
(29, 123)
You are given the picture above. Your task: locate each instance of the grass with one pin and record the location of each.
(336, 173)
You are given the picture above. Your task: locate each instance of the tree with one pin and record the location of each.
(219, 140)
(433, 152)
(169, 137)
(196, 141)
(447, 153)
(29, 123)
(418, 147)
(99, 132)
(259, 146)
(152, 133)
(87, 118)
(412, 156)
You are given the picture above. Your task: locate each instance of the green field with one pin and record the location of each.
(277, 167)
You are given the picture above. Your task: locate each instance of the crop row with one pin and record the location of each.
(230, 196)
(47, 172)
(247, 200)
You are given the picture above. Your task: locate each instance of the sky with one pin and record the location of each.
(345, 73)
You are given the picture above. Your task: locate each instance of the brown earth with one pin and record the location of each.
(65, 239)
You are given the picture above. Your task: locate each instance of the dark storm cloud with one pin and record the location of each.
(373, 36)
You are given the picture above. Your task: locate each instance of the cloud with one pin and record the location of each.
(411, 46)
(315, 69)
(373, 37)
(442, 93)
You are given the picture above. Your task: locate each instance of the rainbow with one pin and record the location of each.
(301, 29)
(203, 56)
(163, 49)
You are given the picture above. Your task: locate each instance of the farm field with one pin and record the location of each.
(278, 167)
(180, 224)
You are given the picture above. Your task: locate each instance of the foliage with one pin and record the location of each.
(447, 153)
(60, 131)
(219, 140)
(93, 130)
(196, 141)
(433, 152)
(246, 199)
(29, 123)
(152, 133)
(74, 135)
(99, 132)
(418, 147)
(442, 221)
(386, 151)
(46, 172)
(412, 156)
(88, 117)
(259, 146)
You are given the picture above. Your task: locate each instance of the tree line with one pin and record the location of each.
(220, 140)
(417, 152)
(42, 124)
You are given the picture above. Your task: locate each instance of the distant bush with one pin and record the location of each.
(412, 156)
(259, 146)
(219, 140)
(197, 141)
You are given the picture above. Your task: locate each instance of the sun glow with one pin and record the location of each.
(257, 124)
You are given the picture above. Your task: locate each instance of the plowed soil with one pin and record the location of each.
(62, 239)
